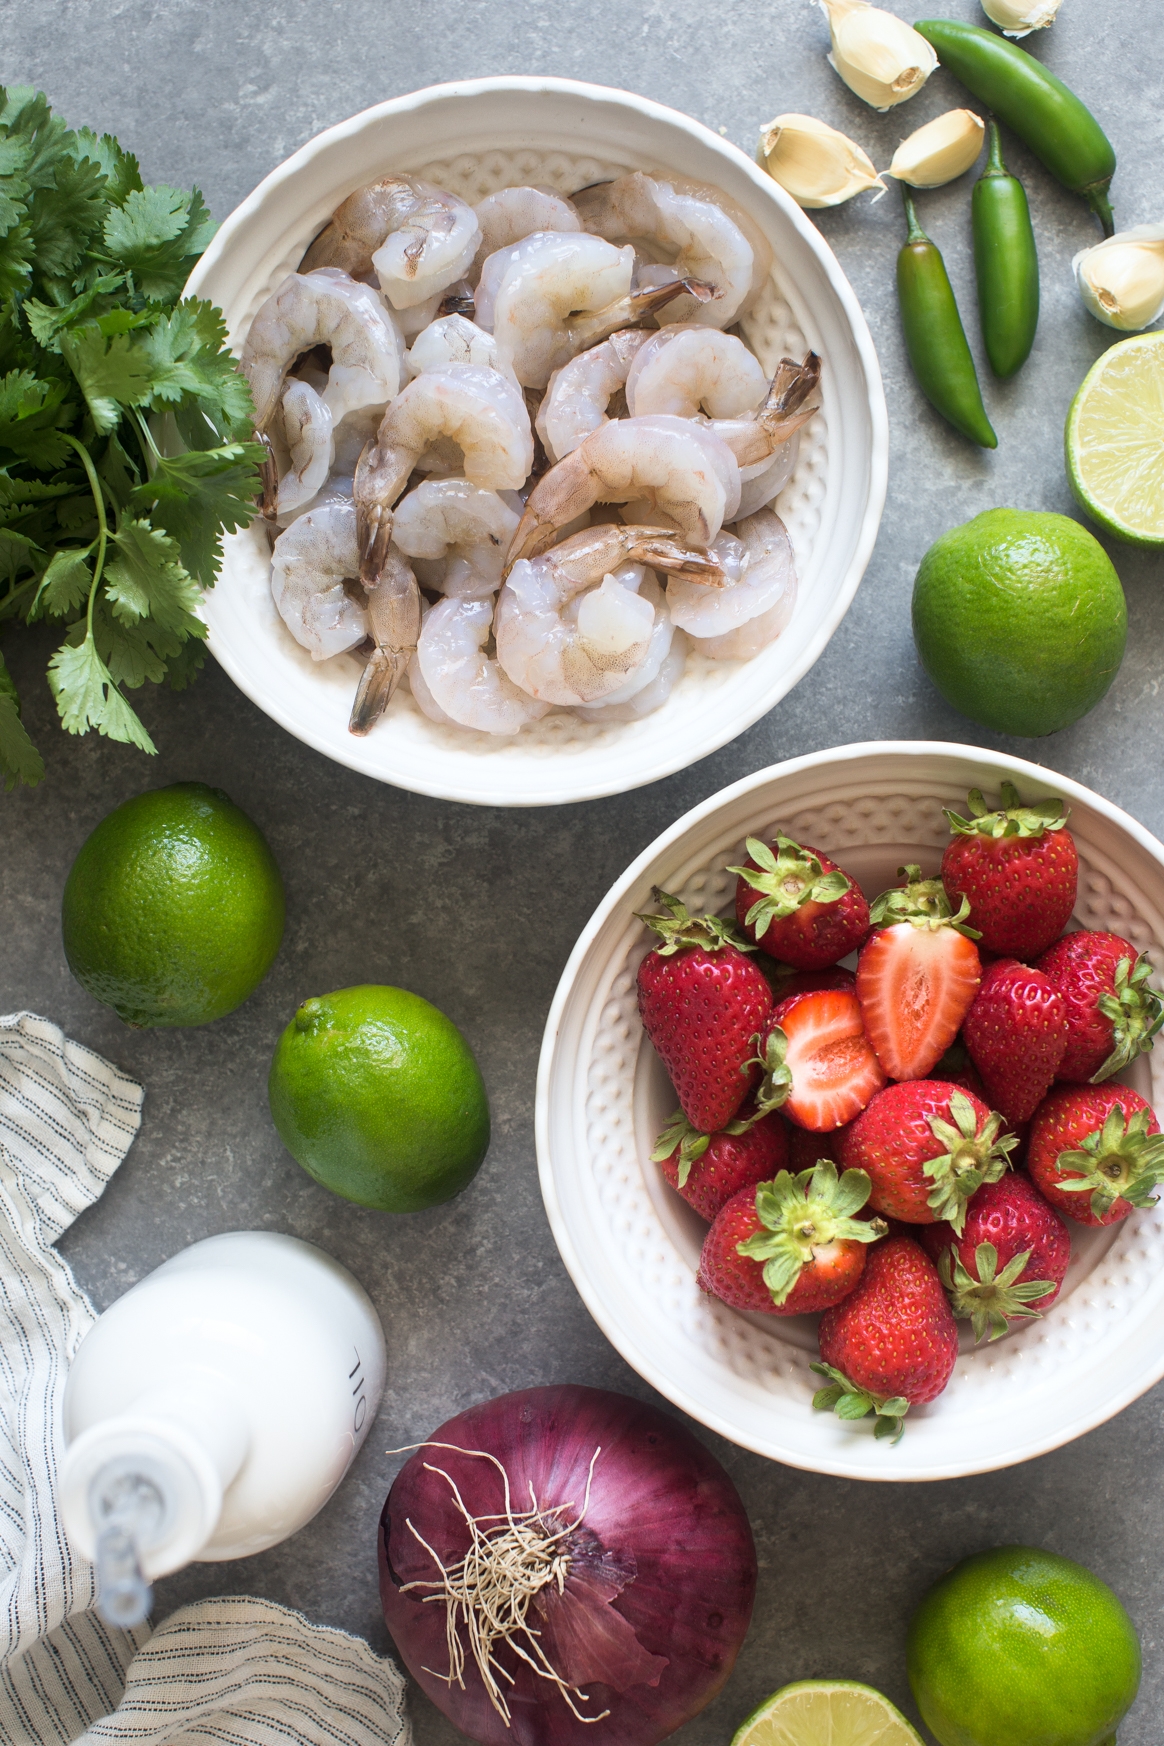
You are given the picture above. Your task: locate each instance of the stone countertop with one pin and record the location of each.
(478, 909)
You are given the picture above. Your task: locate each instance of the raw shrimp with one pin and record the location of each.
(641, 582)
(324, 308)
(415, 237)
(336, 489)
(453, 339)
(579, 393)
(686, 369)
(764, 481)
(512, 214)
(708, 243)
(527, 292)
(562, 649)
(754, 436)
(465, 683)
(640, 697)
(465, 407)
(670, 470)
(310, 563)
(457, 521)
(310, 436)
(394, 621)
(757, 601)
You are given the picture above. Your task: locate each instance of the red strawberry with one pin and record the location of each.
(917, 975)
(1016, 1033)
(1013, 1252)
(702, 1002)
(818, 1063)
(892, 1342)
(806, 1149)
(791, 1246)
(798, 905)
(1112, 1014)
(708, 1169)
(927, 1146)
(1018, 870)
(1096, 1152)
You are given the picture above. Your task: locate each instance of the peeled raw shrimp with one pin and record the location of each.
(415, 237)
(466, 408)
(465, 683)
(309, 433)
(672, 470)
(310, 562)
(756, 602)
(642, 691)
(579, 393)
(512, 214)
(394, 622)
(708, 243)
(324, 308)
(686, 369)
(460, 522)
(562, 649)
(526, 294)
(454, 339)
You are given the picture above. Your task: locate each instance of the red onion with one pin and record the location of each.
(619, 1573)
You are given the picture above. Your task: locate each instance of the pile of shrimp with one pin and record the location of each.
(515, 459)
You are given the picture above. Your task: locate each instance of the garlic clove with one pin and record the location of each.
(939, 151)
(815, 164)
(879, 56)
(1121, 280)
(1020, 17)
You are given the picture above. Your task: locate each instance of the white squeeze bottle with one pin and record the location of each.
(214, 1408)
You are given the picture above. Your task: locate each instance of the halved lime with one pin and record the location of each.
(1115, 441)
(826, 1712)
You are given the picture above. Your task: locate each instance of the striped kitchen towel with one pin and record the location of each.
(228, 1670)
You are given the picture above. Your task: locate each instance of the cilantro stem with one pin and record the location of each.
(102, 525)
(151, 454)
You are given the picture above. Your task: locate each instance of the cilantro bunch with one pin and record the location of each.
(123, 425)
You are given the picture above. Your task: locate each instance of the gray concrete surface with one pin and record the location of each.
(478, 910)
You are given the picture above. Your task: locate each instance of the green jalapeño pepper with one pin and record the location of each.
(934, 335)
(1005, 263)
(1034, 104)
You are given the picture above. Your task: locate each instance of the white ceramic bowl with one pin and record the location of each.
(475, 137)
(632, 1245)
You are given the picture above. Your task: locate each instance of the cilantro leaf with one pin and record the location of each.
(25, 115)
(31, 410)
(112, 373)
(19, 759)
(201, 494)
(120, 168)
(156, 235)
(17, 552)
(183, 668)
(87, 696)
(64, 216)
(15, 260)
(136, 651)
(145, 579)
(65, 584)
(47, 320)
(191, 357)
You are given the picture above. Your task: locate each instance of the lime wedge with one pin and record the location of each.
(826, 1712)
(1115, 441)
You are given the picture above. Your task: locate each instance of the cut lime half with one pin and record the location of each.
(826, 1712)
(1115, 441)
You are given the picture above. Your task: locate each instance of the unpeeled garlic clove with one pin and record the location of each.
(879, 56)
(1020, 17)
(817, 165)
(1121, 280)
(940, 150)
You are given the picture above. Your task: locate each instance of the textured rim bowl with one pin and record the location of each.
(631, 1245)
(487, 132)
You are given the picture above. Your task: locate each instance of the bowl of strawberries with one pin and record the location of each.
(847, 1111)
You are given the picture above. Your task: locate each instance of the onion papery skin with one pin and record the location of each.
(660, 1506)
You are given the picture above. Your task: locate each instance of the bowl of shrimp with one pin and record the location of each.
(576, 442)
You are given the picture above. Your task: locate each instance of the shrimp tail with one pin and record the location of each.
(664, 552)
(784, 410)
(591, 326)
(385, 669)
(394, 616)
(559, 496)
(268, 478)
(381, 475)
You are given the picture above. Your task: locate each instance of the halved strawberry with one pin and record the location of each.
(819, 1066)
(917, 975)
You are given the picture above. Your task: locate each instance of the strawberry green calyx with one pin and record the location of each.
(844, 1398)
(785, 881)
(679, 928)
(973, 1155)
(993, 1300)
(691, 1142)
(775, 1087)
(1136, 1013)
(1011, 819)
(922, 902)
(1118, 1162)
(805, 1212)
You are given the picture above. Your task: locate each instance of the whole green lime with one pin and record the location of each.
(377, 1094)
(1019, 1647)
(173, 909)
(1019, 619)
